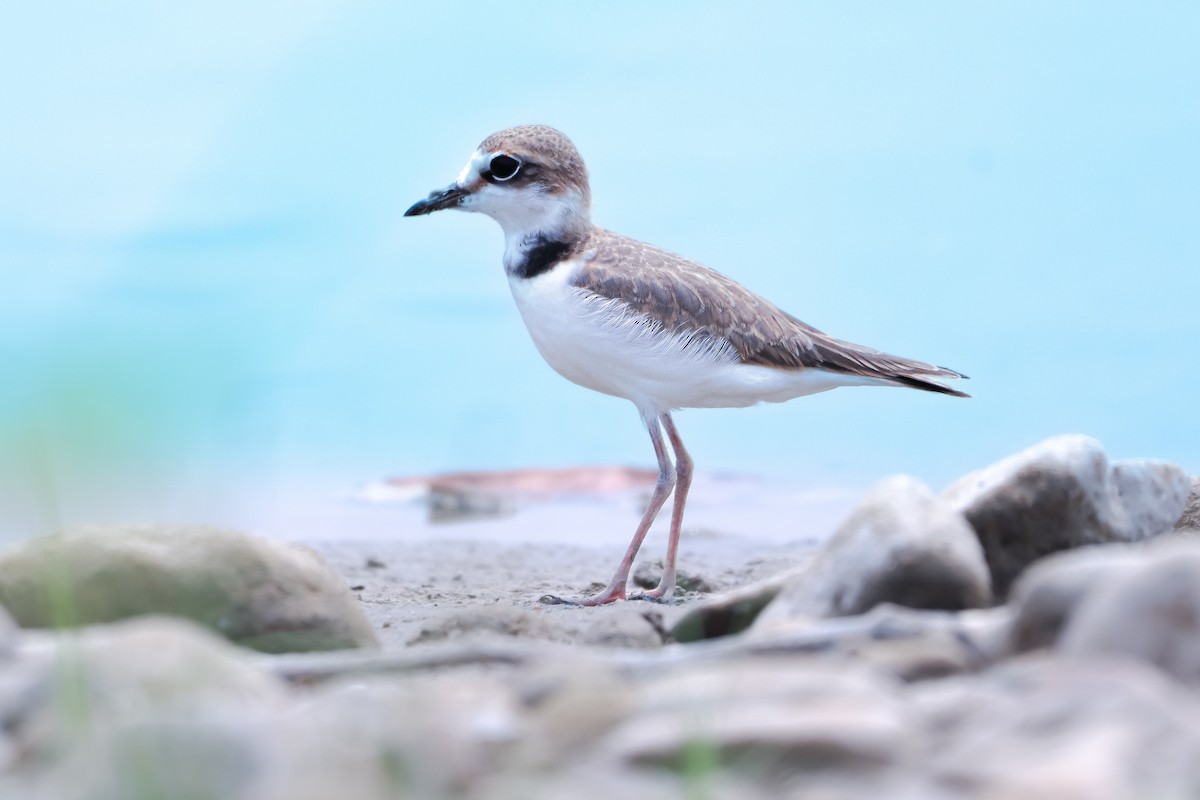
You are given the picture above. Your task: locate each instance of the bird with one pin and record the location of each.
(631, 320)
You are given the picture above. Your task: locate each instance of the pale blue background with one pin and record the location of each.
(206, 277)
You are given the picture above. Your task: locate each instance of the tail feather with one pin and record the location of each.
(802, 345)
(857, 359)
(914, 382)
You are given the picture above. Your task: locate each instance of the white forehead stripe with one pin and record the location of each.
(473, 166)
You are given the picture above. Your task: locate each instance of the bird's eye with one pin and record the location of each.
(504, 168)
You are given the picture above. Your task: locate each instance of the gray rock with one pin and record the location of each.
(906, 643)
(647, 574)
(1138, 601)
(901, 545)
(766, 715)
(1046, 728)
(1148, 497)
(154, 758)
(1064, 493)
(261, 593)
(731, 612)
(601, 782)
(573, 701)
(158, 662)
(1047, 595)
(378, 738)
(1149, 611)
(1190, 520)
(124, 710)
(160, 707)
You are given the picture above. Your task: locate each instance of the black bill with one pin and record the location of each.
(449, 197)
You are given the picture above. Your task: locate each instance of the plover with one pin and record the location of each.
(630, 320)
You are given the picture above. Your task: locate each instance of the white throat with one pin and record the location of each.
(528, 214)
(533, 219)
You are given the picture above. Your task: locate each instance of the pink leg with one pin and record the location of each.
(666, 482)
(683, 468)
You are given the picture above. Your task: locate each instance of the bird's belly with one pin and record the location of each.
(588, 341)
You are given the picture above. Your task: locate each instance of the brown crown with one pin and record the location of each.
(559, 165)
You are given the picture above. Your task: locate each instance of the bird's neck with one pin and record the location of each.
(536, 246)
(536, 255)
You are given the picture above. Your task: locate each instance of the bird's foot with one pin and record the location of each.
(664, 592)
(654, 596)
(609, 595)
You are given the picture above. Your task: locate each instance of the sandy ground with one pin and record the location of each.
(429, 590)
(422, 581)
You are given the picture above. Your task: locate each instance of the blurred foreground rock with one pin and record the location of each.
(158, 707)
(1048, 594)
(1047, 728)
(122, 711)
(270, 595)
(1149, 611)
(1141, 602)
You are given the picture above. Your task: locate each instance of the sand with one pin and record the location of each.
(425, 590)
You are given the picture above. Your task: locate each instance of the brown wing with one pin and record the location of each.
(687, 297)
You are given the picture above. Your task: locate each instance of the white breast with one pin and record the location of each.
(598, 343)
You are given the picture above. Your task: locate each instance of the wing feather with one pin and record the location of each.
(686, 297)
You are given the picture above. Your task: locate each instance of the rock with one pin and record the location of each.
(917, 645)
(783, 718)
(1149, 611)
(193, 758)
(1064, 493)
(901, 545)
(125, 710)
(601, 782)
(377, 738)
(161, 663)
(160, 707)
(573, 701)
(906, 643)
(638, 628)
(647, 574)
(731, 612)
(1140, 601)
(261, 593)
(1190, 520)
(1047, 728)
(1048, 594)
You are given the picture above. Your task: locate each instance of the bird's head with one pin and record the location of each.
(530, 179)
